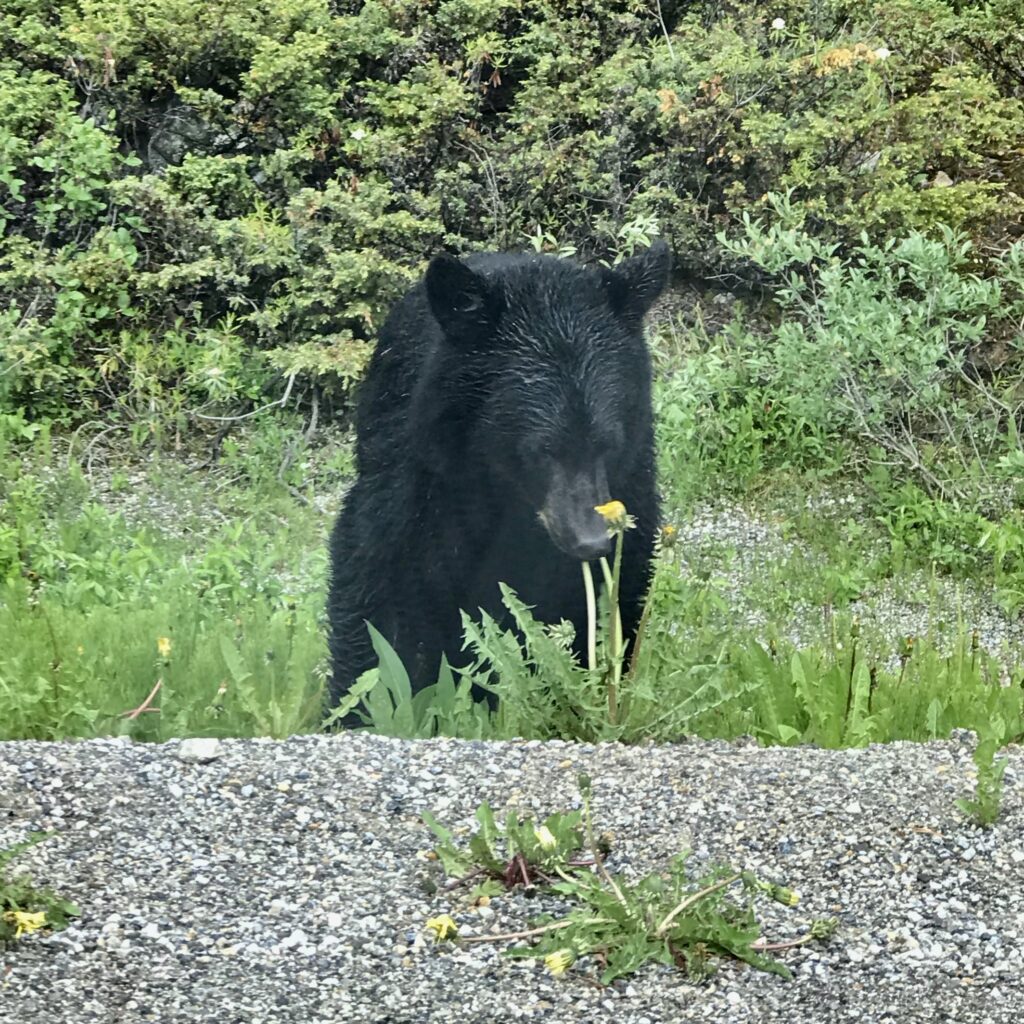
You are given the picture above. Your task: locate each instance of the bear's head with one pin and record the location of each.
(542, 377)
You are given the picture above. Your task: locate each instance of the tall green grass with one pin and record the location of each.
(254, 670)
(708, 684)
(89, 598)
(111, 628)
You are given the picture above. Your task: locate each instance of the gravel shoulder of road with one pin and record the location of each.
(284, 881)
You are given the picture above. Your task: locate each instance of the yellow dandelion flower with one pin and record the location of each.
(558, 963)
(443, 927)
(24, 922)
(545, 837)
(612, 512)
(163, 646)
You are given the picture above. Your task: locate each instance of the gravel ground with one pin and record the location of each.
(912, 603)
(282, 881)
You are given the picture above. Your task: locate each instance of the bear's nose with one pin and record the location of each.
(592, 546)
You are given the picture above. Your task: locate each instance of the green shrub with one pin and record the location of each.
(881, 355)
(207, 208)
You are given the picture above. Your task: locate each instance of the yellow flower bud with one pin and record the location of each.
(787, 897)
(545, 837)
(558, 963)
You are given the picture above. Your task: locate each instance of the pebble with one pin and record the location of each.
(199, 750)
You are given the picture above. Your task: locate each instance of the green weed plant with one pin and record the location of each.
(671, 917)
(985, 806)
(116, 629)
(25, 907)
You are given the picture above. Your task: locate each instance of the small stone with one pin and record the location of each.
(297, 938)
(199, 750)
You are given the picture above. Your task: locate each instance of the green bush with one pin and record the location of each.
(207, 206)
(899, 355)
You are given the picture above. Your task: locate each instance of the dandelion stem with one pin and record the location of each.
(529, 932)
(588, 825)
(694, 897)
(641, 629)
(588, 586)
(761, 946)
(615, 645)
(618, 647)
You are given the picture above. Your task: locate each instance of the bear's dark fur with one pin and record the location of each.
(508, 395)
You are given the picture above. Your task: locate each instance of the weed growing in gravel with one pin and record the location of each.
(519, 852)
(985, 806)
(24, 907)
(669, 917)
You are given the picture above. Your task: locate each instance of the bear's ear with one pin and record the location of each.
(634, 284)
(461, 300)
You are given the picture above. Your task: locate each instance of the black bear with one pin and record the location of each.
(508, 395)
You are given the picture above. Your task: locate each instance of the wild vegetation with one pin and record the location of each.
(206, 211)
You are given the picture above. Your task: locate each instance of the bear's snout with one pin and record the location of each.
(589, 545)
(569, 514)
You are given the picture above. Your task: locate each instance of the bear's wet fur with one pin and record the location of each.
(508, 395)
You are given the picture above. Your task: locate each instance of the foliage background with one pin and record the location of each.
(206, 207)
